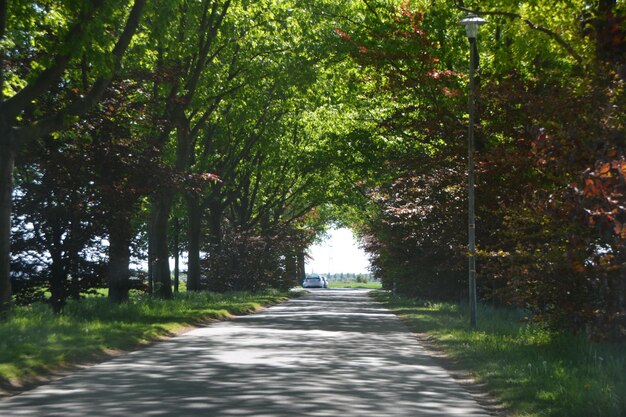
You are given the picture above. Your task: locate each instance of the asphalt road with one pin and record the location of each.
(333, 353)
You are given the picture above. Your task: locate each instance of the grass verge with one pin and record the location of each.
(34, 341)
(353, 284)
(533, 371)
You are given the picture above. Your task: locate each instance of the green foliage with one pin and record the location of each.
(549, 145)
(37, 32)
(532, 370)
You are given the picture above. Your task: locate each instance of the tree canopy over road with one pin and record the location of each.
(235, 131)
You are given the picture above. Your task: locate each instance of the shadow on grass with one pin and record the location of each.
(35, 343)
(536, 371)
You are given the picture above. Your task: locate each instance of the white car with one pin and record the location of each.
(315, 282)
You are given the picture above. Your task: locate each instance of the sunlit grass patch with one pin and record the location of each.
(535, 371)
(34, 340)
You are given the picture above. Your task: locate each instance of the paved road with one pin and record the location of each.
(332, 353)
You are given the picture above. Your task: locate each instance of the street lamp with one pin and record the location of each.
(471, 23)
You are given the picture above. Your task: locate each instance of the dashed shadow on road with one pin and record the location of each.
(332, 353)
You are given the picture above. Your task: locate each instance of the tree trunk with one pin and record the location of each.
(58, 275)
(215, 240)
(194, 224)
(176, 254)
(7, 158)
(120, 233)
(621, 294)
(73, 277)
(73, 255)
(291, 270)
(151, 256)
(64, 251)
(160, 266)
(301, 267)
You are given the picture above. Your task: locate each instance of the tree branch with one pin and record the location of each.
(214, 24)
(570, 50)
(80, 107)
(16, 104)
(371, 9)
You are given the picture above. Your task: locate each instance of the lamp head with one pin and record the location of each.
(471, 23)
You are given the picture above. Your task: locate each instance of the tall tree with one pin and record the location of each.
(188, 49)
(60, 39)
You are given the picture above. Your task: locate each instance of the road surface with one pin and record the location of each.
(332, 353)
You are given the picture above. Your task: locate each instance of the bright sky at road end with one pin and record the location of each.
(339, 253)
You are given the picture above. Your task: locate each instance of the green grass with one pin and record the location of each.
(534, 371)
(34, 341)
(353, 284)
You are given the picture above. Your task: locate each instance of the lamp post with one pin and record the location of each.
(471, 24)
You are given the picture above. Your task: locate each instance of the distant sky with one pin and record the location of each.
(339, 253)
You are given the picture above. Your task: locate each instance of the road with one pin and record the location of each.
(331, 353)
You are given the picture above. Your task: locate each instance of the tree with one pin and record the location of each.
(199, 24)
(56, 221)
(59, 42)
